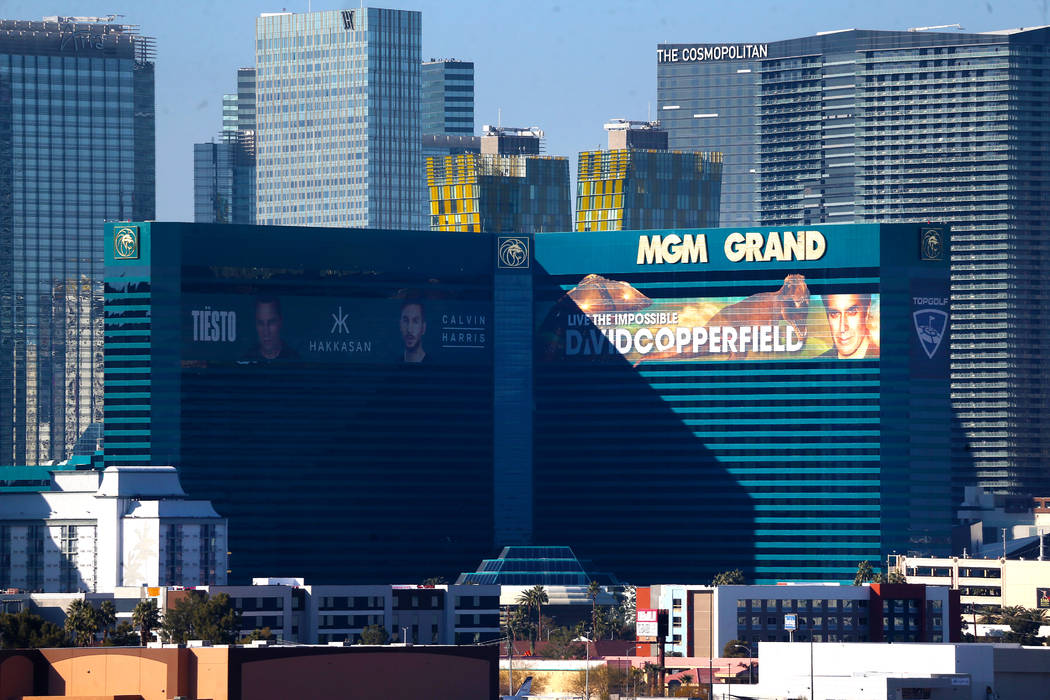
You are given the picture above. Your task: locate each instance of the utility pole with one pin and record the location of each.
(812, 692)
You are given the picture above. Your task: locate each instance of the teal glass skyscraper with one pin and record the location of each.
(338, 119)
(76, 149)
(904, 126)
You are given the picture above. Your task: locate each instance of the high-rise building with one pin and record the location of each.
(639, 184)
(904, 126)
(507, 188)
(667, 403)
(448, 97)
(213, 182)
(338, 119)
(224, 170)
(76, 149)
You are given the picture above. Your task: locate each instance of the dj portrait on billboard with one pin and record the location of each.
(854, 328)
(413, 323)
(269, 322)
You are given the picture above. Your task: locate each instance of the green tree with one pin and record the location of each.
(865, 574)
(594, 589)
(561, 646)
(106, 617)
(518, 624)
(435, 581)
(896, 577)
(123, 636)
(625, 612)
(535, 597)
(81, 622)
(607, 623)
(200, 616)
(732, 651)
(24, 630)
(1024, 625)
(729, 578)
(146, 617)
(264, 633)
(375, 634)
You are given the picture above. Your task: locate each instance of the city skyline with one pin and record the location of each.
(614, 75)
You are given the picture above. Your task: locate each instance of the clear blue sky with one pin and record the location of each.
(564, 66)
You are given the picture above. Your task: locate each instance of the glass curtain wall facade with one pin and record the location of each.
(790, 464)
(338, 119)
(887, 126)
(492, 193)
(413, 400)
(448, 97)
(224, 172)
(76, 149)
(625, 189)
(213, 182)
(334, 397)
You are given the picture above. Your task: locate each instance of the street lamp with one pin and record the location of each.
(750, 664)
(587, 668)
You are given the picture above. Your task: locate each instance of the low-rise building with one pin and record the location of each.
(894, 671)
(236, 672)
(296, 612)
(95, 531)
(703, 619)
(982, 583)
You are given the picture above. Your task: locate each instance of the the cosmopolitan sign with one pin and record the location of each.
(716, 52)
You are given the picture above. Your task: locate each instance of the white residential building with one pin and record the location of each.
(96, 531)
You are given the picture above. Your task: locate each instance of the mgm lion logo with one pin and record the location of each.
(931, 245)
(126, 243)
(513, 252)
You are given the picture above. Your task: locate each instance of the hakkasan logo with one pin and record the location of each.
(126, 243)
(513, 252)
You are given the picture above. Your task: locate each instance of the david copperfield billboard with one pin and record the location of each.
(604, 316)
(601, 317)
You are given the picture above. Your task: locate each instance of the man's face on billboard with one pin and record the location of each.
(268, 326)
(413, 326)
(847, 316)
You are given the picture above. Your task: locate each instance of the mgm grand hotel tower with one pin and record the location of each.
(904, 126)
(375, 405)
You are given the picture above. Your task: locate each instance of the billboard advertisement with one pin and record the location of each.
(602, 318)
(1042, 598)
(266, 328)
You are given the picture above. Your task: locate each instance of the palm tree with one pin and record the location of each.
(146, 617)
(593, 590)
(106, 617)
(81, 622)
(535, 597)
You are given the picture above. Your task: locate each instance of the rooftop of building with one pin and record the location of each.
(630, 124)
(532, 566)
(520, 131)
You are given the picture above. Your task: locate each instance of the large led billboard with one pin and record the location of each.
(606, 318)
(264, 327)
